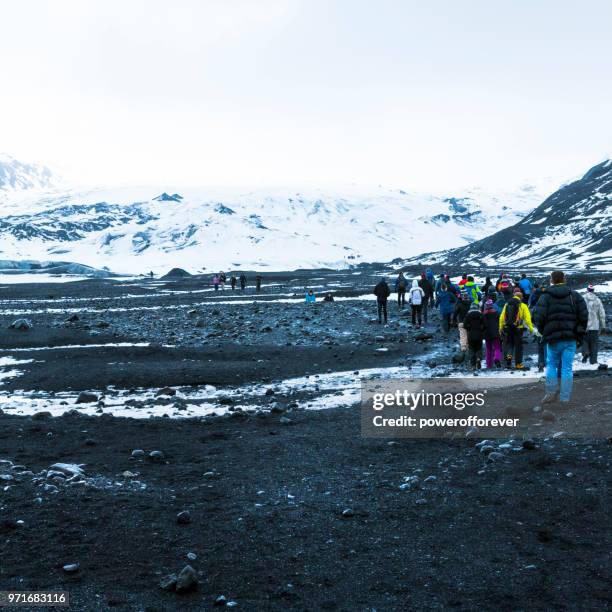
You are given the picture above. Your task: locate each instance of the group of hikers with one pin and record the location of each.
(219, 280)
(498, 314)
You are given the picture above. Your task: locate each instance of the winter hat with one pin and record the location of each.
(489, 304)
(415, 283)
(591, 288)
(474, 306)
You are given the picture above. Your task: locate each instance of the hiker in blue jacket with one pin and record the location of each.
(445, 300)
(526, 287)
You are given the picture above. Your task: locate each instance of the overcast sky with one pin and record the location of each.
(434, 95)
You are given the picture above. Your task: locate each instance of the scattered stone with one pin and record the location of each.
(22, 324)
(422, 336)
(221, 600)
(269, 391)
(529, 444)
(68, 469)
(41, 416)
(86, 397)
(285, 421)
(183, 518)
(411, 483)
(458, 358)
(71, 568)
(348, 513)
(548, 416)
(431, 479)
(168, 583)
(138, 453)
(495, 456)
(191, 556)
(156, 456)
(487, 449)
(165, 391)
(186, 580)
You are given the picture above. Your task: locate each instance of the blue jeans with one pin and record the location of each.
(559, 359)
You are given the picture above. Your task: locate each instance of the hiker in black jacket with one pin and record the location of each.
(561, 316)
(428, 290)
(382, 292)
(474, 326)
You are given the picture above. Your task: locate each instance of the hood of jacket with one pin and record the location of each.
(558, 291)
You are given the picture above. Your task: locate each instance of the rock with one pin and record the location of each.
(348, 513)
(422, 336)
(548, 416)
(431, 479)
(176, 273)
(411, 483)
(431, 363)
(269, 392)
(529, 444)
(90, 442)
(221, 600)
(168, 583)
(495, 456)
(69, 469)
(165, 391)
(22, 324)
(285, 421)
(472, 432)
(41, 416)
(266, 328)
(187, 580)
(487, 449)
(156, 456)
(72, 318)
(102, 324)
(138, 453)
(602, 366)
(191, 556)
(183, 518)
(85, 397)
(71, 568)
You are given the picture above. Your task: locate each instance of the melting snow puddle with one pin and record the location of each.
(8, 362)
(314, 392)
(77, 346)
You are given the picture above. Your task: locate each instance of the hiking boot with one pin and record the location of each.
(508, 362)
(497, 363)
(520, 366)
(585, 358)
(540, 368)
(550, 398)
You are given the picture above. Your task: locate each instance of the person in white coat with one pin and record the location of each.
(415, 299)
(595, 326)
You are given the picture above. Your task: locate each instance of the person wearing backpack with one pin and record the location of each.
(233, 282)
(428, 298)
(382, 292)
(562, 317)
(415, 298)
(490, 321)
(512, 322)
(595, 325)
(462, 306)
(473, 290)
(400, 288)
(445, 300)
(473, 324)
(243, 281)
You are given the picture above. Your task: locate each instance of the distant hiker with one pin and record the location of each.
(382, 292)
(596, 325)
(258, 282)
(439, 283)
(526, 287)
(233, 281)
(473, 290)
(215, 282)
(243, 281)
(416, 297)
(473, 324)
(535, 295)
(462, 306)
(490, 320)
(328, 297)
(400, 288)
(151, 273)
(432, 281)
(445, 300)
(464, 279)
(504, 286)
(487, 284)
(222, 279)
(561, 316)
(428, 292)
(310, 297)
(512, 321)
(533, 301)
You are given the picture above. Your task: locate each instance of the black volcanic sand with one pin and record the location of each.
(531, 530)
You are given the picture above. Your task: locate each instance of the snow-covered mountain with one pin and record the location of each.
(134, 230)
(571, 229)
(17, 176)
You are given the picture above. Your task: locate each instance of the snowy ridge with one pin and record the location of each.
(134, 230)
(571, 229)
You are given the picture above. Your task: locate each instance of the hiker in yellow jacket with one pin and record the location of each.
(514, 317)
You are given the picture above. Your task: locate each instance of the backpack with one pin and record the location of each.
(512, 314)
(415, 296)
